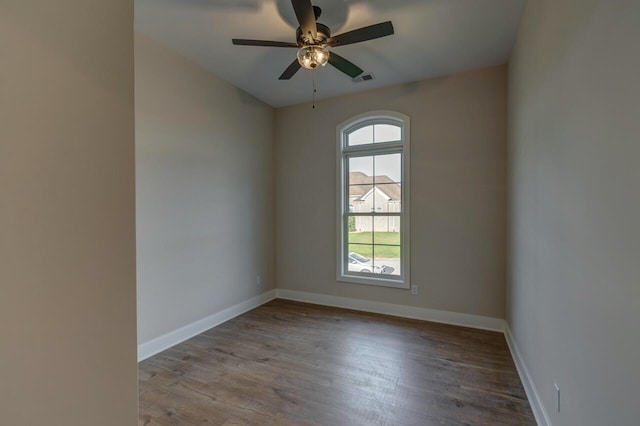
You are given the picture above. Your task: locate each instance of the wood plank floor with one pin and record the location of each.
(289, 363)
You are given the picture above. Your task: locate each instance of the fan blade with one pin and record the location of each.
(371, 32)
(306, 17)
(291, 70)
(266, 43)
(345, 66)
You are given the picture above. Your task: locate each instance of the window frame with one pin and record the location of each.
(345, 152)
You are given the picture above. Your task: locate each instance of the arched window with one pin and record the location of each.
(373, 199)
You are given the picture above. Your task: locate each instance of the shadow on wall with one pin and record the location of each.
(571, 19)
(336, 12)
(246, 98)
(212, 5)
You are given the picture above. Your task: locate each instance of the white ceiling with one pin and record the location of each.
(432, 38)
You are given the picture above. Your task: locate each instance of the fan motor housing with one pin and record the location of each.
(323, 35)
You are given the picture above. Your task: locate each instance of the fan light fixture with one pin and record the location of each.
(312, 57)
(313, 39)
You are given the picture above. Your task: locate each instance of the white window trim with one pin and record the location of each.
(404, 282)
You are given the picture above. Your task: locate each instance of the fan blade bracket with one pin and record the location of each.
(306, 18)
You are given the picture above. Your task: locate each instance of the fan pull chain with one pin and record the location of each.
(313, 104)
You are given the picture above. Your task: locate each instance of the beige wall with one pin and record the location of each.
(67, 220)
(574, 299)
(204, 192)
(458, 175)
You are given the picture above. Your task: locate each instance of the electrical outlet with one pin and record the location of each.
(557, 388)
(258, 279)
(414, 289)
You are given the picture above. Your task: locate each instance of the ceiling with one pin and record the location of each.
(432, 38)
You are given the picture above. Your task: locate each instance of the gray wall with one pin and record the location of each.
(204, 192)
(574, 130)
(458, 192)
(67, 219)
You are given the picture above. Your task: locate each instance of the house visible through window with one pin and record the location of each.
(373, 237)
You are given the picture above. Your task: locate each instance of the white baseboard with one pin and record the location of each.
(159, 344)
(542, 418)
(445, 317)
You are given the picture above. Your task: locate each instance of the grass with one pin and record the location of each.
(363, 243)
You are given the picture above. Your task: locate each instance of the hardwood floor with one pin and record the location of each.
(289, 363)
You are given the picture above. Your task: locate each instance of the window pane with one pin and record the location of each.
(388, 168)
(387, 260)
(361, 184)
(360, 170)
(388, 238)
(359, 258)
(361, 136)
(387, 198)
(360, 230)
(387, 133)
(387, 249)
(359, 199)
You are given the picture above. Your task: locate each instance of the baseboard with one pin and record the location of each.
(542, 418)
(445, 317)
(159, 344)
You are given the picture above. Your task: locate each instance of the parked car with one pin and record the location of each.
(359, 263)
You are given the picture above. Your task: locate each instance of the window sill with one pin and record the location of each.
(380, 282)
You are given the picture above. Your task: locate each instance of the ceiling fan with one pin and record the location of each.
(314, 40)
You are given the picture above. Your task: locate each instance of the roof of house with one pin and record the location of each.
(361, 184)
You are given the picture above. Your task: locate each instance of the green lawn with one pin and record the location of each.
(362, 243)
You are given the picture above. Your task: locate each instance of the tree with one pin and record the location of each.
(352, 224)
